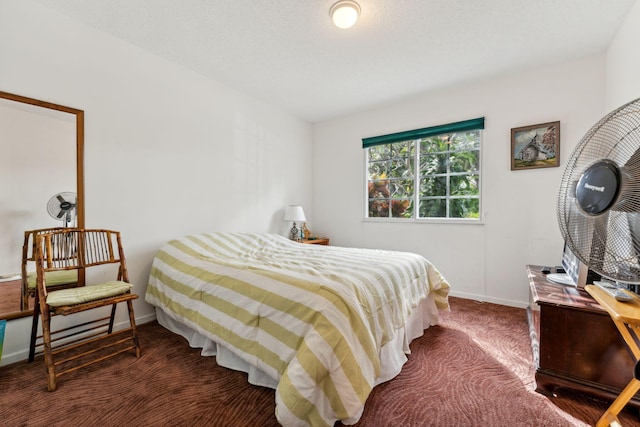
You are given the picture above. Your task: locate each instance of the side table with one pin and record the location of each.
(626, 316)
(319, 241)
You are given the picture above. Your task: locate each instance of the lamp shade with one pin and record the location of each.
(294, 213)
(344, 13)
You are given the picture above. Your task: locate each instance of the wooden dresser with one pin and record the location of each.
(575, 343)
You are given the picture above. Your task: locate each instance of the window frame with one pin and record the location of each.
(415, 136)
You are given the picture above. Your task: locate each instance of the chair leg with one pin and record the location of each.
(134, 331)
(48, 356)
(24, 299)
(113, 316)
(34, 329)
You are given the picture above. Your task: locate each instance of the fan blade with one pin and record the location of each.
(61, 213)
(60, 198)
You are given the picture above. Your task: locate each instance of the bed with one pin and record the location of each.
(322, 325)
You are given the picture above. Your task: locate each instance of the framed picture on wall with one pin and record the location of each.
(535, 146)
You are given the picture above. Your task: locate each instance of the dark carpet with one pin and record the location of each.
(475, 369)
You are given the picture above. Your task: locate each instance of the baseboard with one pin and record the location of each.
(484, 298)
(142, 320)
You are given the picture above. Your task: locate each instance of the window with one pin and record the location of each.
(425, 173)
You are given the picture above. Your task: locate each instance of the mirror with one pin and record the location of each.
(41, 155)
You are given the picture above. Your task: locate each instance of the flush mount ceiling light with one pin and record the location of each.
(344, 13)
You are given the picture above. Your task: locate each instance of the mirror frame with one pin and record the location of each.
(79, 114)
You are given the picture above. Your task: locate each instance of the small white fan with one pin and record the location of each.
(62, 207)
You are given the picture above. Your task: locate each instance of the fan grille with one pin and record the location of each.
(63, 207)
(608, 242)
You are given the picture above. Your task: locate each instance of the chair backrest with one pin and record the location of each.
(29, 245)
(74, 248)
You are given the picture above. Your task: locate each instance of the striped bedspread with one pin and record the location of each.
(312, 317)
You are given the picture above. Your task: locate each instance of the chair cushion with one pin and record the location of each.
(54, 278)
(84, 294)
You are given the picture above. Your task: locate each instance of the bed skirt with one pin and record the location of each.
(393, 354)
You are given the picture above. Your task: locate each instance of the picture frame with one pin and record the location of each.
(535, 146)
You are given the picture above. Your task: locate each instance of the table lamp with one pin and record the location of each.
(294, 213)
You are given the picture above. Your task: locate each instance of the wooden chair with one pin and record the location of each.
(60, 279)
(73, 347)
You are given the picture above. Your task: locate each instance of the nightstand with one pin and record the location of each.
(319, 241)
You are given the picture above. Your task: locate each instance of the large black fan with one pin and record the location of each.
(599, 198)
(62, 207)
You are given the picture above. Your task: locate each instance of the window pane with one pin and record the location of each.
(466, 140)
(378, 209)
(442, 162)
(401, 208)
(402, 149)
(464, 185)
(465, 208)
(401, 168)
(464, 161)
(428, 165)
(378, 169)
(433, 208)
(434, 144)
(401, 189)
(379, 152)
(434, 186)
(378, 189)
(434, 163)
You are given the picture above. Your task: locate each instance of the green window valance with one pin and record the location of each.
(424, 132)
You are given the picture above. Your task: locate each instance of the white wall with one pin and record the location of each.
(167, 152)
(623, 62)
(485, 262)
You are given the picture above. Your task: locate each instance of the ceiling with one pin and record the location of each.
(288, 53)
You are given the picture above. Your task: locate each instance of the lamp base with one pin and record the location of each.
(294, 234)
